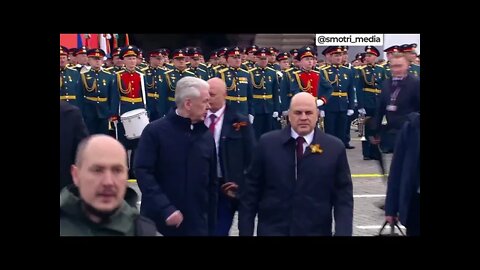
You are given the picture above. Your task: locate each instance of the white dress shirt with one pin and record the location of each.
(308, 138)
(218, 129)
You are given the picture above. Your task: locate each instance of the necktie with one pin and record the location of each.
(212, 123)
(300, 141)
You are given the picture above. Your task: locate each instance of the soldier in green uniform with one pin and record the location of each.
(99, 93)
(390, 51)
(265, 93)
(196, 67)
(250, 57)
(156, 92)
(172, 76)
(409, 51)
(81, 58)
(117, 62)
(69, 81)
(287, 79)
(239, 84)
(272, 59)
(368, 84)
(222, 61)
(141, 64)
(341, 102)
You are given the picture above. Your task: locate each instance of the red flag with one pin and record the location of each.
(115, 40)
(87, 38)
(127, 42)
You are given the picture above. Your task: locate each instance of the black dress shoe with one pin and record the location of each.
(349, 146)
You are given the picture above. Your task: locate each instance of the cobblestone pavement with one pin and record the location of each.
(368, 189)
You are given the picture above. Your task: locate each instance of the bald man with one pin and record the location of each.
(100, 203)
(298, 179)
(234, 139)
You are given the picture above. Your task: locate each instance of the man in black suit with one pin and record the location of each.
(299, 180)
(72, 131)
(234, 139)
(400, 96)
(403, 192)
(176, 166)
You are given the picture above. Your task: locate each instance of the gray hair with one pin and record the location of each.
(188, 87)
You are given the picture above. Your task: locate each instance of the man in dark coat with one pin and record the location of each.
(72, 131)
(400, 96)
(298, 179)
(403, 190)
(176, 166)
(234, 139)
(101, 203)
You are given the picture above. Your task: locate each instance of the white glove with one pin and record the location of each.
(322, 113)
(275, 114)
(319, 102)
(284, 113)
(362, 111)
(250, 117)
(349, 112)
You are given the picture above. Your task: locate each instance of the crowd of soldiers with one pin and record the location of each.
(260, 83)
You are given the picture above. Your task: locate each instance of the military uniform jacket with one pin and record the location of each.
(171, 77)
(131, 87)
(99, 93)
(311, 82)
(239, 89)
(368, 84)
(285, 93)
(200, 72)
(342, 81)
(70, 87)
(156, 91)
(265, 90)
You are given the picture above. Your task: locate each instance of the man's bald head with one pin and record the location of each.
(303, 113)
(303, 98)
(218, 92)
(97, 144)
(100, 173)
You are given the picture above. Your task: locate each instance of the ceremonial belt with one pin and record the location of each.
(372, 90)
(97, 99)
(153, 95)
(262, 96)
(236, 98)
(339, 94)
(133, 100)
(67, 97)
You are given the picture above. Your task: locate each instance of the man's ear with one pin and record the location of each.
(188, 104)
(74, 172)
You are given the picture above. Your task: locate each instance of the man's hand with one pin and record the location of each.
(391, 219)
(322, 113)
(275, 114)
(349, 112)
(230, 189)
(114, 118)
(319, 102)
(374, 140)
(250, 117)
(362, 111)
(175, 219)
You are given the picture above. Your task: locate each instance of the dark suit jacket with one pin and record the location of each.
(72, 131)
(176, 170)
(287, 206)
(408, 100)
(404, 176)
(236, 146)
